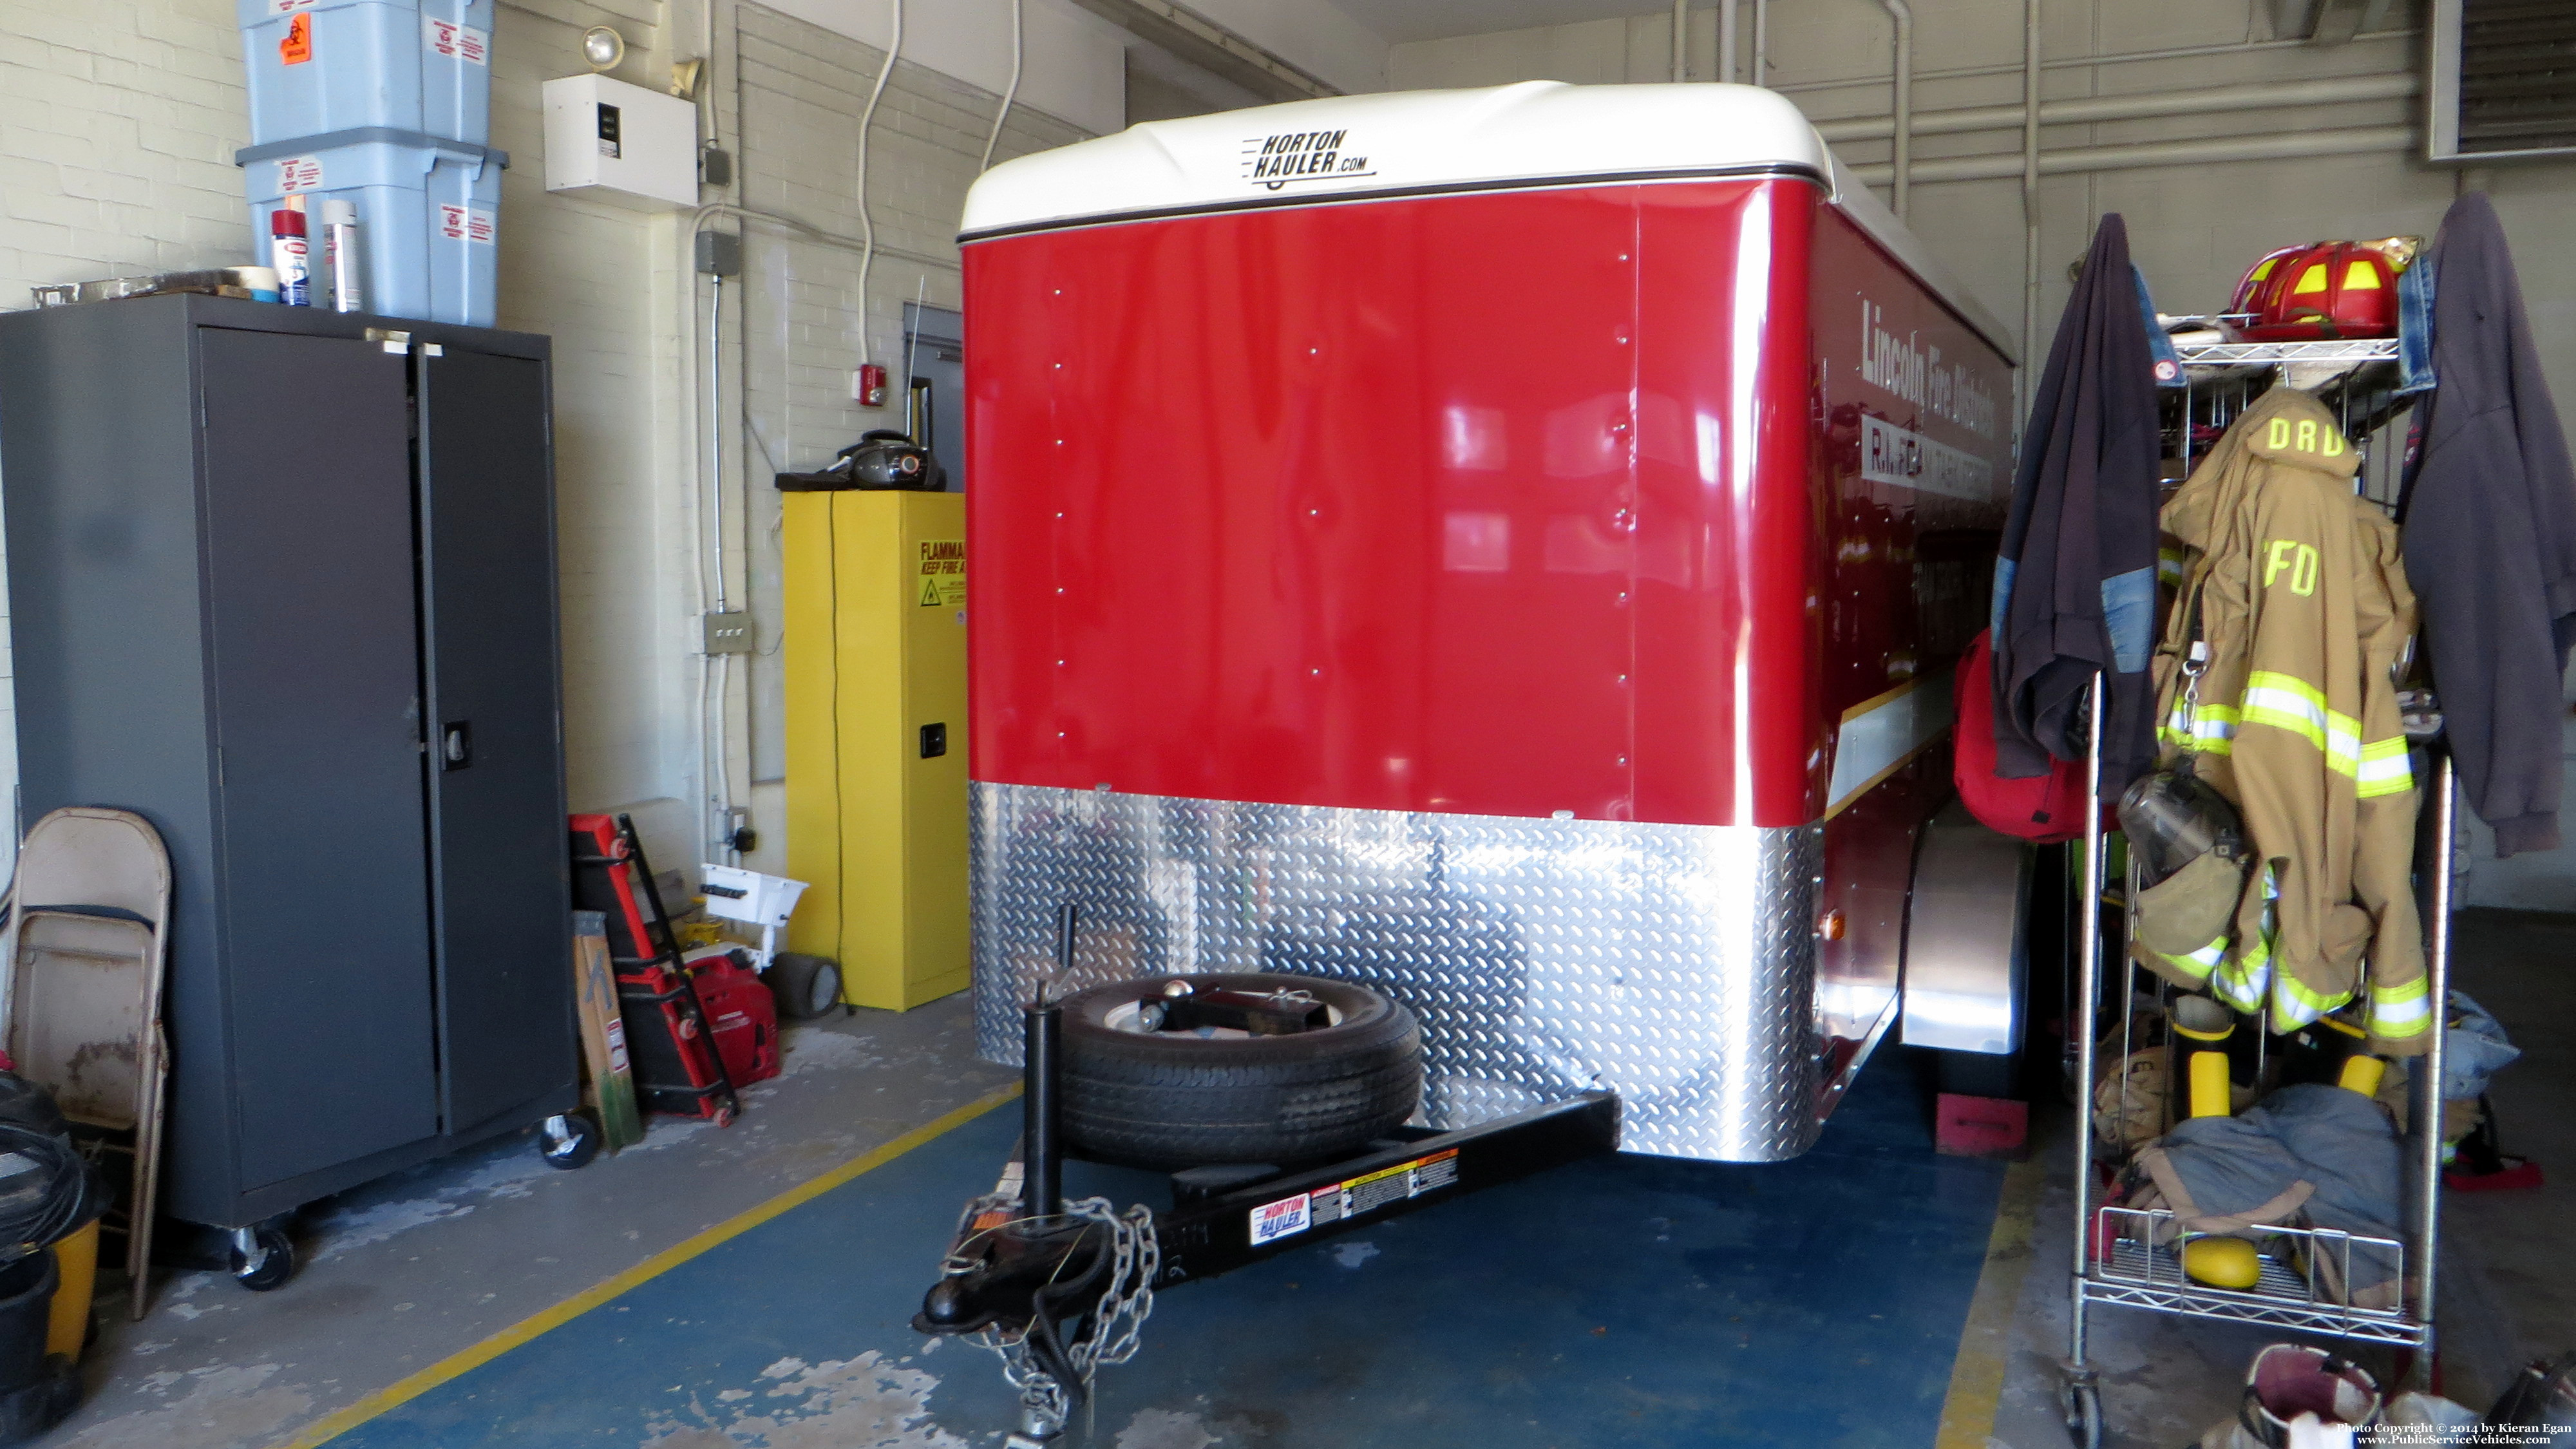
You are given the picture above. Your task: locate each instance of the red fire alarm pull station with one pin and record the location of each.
(870, 390)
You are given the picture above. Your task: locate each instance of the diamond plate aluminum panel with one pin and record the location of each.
(1672, 964)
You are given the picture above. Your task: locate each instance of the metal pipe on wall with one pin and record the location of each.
(712, 500)
(1761, 43)
(2396, 86)
(2302, 145)
(1726, 41)
(2031, 110)
(2128, 57)
(1681, 41)
(1901, 169)
(715, 765)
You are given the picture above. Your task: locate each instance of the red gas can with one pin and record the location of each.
(741, 1014)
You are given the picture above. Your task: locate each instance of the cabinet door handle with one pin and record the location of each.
(456, 745)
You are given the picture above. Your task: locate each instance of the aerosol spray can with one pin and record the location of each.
(340, 255)
(287, 250)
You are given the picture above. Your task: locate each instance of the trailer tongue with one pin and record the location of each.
(1062, 1289)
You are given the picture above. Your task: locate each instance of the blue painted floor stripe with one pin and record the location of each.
(1631, 1302)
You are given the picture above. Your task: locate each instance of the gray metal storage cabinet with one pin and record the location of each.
(288, 591)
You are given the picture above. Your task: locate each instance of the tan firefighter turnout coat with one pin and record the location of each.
(2306, 611)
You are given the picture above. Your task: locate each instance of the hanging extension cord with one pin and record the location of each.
(867, 221)
(1010, 92)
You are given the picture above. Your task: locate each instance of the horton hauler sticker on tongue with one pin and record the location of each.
(1274, 161)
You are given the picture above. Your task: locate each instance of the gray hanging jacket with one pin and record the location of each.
(2311, 1154)
(2490, 517)
(2075, 580)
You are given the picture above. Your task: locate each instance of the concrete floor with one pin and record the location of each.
(1624, 1303)
(1820, 1302)
(408, 1270)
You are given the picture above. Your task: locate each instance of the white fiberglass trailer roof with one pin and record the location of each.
(1410, 143)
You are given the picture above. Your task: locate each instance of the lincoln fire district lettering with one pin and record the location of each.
(1300, 153)
(1918, 375)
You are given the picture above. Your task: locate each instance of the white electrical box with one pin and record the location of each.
(620, 143)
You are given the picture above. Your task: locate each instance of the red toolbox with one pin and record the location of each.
(669, 1032)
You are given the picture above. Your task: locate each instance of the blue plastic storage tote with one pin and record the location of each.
(428, 215)
(317, 66)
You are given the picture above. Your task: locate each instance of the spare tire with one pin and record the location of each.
(1170, 1100)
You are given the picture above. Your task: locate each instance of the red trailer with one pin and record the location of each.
(1505, 547)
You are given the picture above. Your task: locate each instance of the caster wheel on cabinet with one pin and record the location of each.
(568, 1141)
(262, 1258)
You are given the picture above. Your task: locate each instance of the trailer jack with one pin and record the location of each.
(1060, 1289)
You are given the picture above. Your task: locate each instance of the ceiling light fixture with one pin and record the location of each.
(603, 47)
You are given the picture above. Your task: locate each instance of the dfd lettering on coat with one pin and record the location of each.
(2308, 436)
(2298, 559)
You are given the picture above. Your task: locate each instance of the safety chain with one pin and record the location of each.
(1117, 1322)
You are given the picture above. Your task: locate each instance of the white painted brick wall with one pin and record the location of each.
(603, 281)
(118, 122)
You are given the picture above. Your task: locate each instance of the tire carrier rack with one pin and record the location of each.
(1058, 1288)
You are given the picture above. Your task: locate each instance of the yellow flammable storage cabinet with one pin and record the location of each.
(876, 738)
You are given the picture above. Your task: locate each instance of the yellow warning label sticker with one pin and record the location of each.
(1349, 1199)
(942, 581)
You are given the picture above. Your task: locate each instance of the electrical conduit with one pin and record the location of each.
(2213, 100)
(2125, 57)
(1901, 162)
(2030, 250)
(2350, 141)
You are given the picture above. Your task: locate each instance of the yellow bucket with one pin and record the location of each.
(67, 1324)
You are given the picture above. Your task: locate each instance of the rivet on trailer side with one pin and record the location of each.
(1497, 554)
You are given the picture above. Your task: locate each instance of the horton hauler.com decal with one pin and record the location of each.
(1274, 161)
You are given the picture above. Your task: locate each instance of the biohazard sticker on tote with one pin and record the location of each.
(467, 223)
(456, 42)
(297, 47)
(299, 173)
